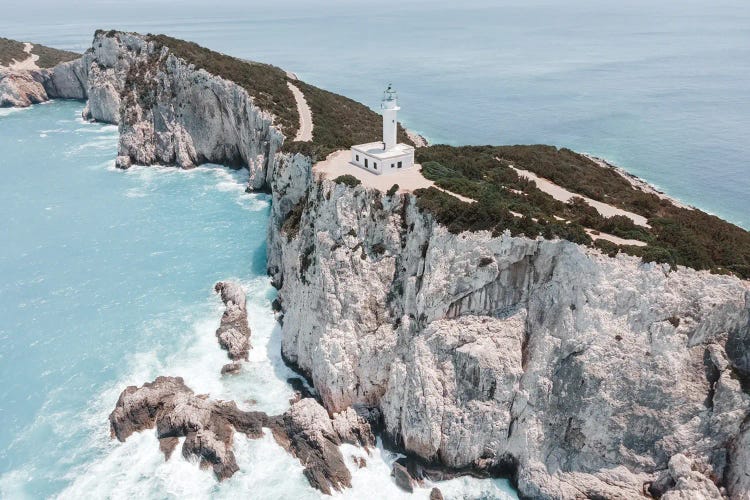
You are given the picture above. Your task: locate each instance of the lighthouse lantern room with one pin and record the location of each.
(386, 156)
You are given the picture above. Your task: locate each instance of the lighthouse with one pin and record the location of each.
(387, 156)
(390, 108)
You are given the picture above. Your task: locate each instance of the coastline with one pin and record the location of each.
(419, 250)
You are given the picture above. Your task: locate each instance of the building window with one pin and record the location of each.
(374, 165)
(399, 164)
(393, 165)
(366, 163)
(357, 157)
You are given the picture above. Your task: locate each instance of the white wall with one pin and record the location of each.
(384, 166)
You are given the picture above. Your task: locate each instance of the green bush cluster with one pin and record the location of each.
(348, 180)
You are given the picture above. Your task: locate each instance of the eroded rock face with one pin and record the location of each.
(233, 332)
(208, 426)
(169, 405)
(306, 431)
(171, 113)
(21, 88)
(585, 373)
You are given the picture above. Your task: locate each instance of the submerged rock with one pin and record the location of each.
(436, 494)
(231, 368)
(233, 332)
(402, 478)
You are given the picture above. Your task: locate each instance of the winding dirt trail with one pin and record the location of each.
(28, 63)
(305, 115)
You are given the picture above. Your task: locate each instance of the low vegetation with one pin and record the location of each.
(11, 50)
(348, 180)
(677, 236)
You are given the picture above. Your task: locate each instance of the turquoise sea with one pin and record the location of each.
(107, 281)
(107, 276)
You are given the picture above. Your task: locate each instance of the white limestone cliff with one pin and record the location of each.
(171, 113)
(21, 88)
(584, 375)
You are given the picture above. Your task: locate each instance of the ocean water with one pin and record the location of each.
(659, 88)
(107, 281)
(107, 276)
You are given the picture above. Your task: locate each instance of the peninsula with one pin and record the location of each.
(533, 312)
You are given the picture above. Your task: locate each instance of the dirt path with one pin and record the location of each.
(28, 63)
(305, 115)
(562, 194)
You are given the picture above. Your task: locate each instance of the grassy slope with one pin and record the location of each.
(48, 57)
(10, 50)
(678, 235)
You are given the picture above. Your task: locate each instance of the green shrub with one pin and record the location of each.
(393, 190)
(348, 180)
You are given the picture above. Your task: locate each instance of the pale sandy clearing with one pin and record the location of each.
(614, 239)
(304, 133)
(28, 63)
(562, 194)
(408, 180)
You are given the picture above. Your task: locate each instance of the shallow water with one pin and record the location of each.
(107, 282)
(659, 88)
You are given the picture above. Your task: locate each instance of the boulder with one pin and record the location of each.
(233, 332)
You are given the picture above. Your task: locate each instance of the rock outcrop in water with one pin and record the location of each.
(580, 374)
(208, 426)
(233, 332)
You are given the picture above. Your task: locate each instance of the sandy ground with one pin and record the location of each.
(614, 239)
(305, 114)
(28, 63)
(408, 180)
(564, 195)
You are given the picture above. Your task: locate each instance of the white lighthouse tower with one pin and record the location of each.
(387, 156)
(390, 108)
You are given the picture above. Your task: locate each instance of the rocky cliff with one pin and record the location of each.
(20, 88)
(581, 374)
(171, 113)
